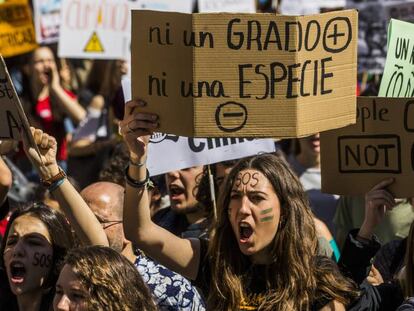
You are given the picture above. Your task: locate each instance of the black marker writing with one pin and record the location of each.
(42, 260)
(247, 179)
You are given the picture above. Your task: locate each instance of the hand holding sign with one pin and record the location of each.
(137, 127)
(377, 202)
(44, 160)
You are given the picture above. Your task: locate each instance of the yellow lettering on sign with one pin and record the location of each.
(94, 45)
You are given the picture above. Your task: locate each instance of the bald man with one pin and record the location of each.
(170, 290)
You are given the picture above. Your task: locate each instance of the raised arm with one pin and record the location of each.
(82, 219)
(68, 104)
(180, 255)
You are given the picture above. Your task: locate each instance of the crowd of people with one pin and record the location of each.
(83, 225)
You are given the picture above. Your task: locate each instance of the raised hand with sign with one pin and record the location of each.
(136, 128)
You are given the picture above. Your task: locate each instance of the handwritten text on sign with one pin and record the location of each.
(378, 146)
(233, 68)
(17, 35)
(186, 152)
(398, 78)
(10, 124)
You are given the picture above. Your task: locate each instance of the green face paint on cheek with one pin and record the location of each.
(266, 219)
(266, 211)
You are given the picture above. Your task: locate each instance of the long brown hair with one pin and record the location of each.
(112, 281)
(293, 279)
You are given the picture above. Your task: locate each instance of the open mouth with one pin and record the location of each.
(175, 191)
(245, 231)
(18, 272)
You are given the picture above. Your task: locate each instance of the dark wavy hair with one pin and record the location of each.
(62, 240)
(113, 283)
(294, 278)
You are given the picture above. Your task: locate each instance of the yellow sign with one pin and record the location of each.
(17, 35)
(94, 45)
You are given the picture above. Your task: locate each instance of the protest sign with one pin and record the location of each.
(12, 117)
(47, 20)
(101, 29)
(247, 75)
(305, 7)
(230, 6)
(379, 146)
(17, 35)
(398, 77)
(372, 30)
(184, 152)
(183, 6)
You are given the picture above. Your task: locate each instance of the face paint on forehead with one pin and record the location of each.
(247, 178)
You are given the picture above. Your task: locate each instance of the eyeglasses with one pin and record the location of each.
(109, 223)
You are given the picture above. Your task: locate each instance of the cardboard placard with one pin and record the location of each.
(17, 34)
(47, 20)
(101, 29)
(245, 75)
(184, 152)
(374, 17)
(380, 145)
(398, 77)
(230, 6)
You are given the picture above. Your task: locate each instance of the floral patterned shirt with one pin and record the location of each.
(171, 291)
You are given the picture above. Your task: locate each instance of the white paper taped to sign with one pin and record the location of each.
(102, 29)
(184, 152)
(168, 153)
(229, 6)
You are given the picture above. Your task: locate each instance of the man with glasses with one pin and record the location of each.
(170, 290)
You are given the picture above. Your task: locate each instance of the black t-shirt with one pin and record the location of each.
(255, 289)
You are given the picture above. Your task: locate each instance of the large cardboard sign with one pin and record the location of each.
(101, 29)
(246, 75)
(398, 77)
(230, 6)
(184, 152)
(47, 20)
(380, 145)
(17, 35)
(374, 17)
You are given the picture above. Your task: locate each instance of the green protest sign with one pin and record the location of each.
(398, 78)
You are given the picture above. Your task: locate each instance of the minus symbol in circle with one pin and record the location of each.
(232, 114)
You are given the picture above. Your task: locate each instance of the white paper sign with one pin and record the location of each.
(306, 7)
(183, 6)
(229, 6)
(168, 153)
(47, 20)
(101, 29)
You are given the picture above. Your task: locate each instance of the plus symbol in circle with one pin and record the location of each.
(335, 34)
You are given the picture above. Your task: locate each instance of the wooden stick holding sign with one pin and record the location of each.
(13, 120)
